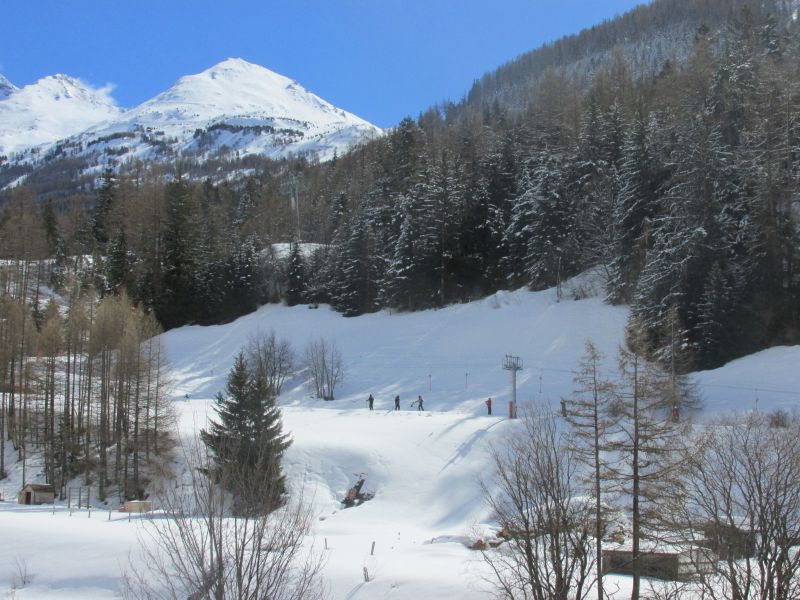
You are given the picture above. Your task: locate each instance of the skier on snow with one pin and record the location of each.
(397, 402)
(370, 401)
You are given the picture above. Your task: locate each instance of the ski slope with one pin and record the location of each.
(423, 467)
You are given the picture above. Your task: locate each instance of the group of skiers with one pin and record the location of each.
(419, 403)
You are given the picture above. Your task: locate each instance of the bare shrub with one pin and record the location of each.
(741, 498)
(546, 520)
(21, 576)
(324, 362)
(201, 549)
(272, 358)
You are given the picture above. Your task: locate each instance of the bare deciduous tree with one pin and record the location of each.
(644, 457)
(203, 551)
(549, 524)
(273, 358)
(587, 412)
(741, 496)
(324, 362)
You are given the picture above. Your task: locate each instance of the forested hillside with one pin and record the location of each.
(674, 165)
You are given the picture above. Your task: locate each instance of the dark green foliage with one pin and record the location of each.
(118, 265)
(50, 221)
(296, 287)
(102, 208)
(671, 166)
(634, 206)
(358, 272)
(247, 440)
(177, 302)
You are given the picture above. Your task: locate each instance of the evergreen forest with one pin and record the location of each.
(678, 180)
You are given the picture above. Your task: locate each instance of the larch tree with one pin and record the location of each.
(644, 456)
(588, 412)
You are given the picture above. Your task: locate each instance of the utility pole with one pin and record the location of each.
(513, 364)
(295, 203)
(294, 186)
(558, 280)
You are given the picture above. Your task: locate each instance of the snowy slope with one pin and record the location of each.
(235, 107)
(54, 107)
(452, 356)
(423, 467)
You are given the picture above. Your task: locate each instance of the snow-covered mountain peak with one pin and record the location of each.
(233, 68)
(6, 87)
(63, 87)
(234, 88)
(233, 108)
(53, 108)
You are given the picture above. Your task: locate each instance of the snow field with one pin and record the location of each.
(423, 467)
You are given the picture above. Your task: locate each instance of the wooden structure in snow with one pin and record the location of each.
(355, 496)
(37, 493)
(137, 506)
(730, 542)
(675, 562)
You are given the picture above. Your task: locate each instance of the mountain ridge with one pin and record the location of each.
(233, 106)
(54, 107)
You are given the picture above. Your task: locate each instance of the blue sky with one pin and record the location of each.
(380, 59)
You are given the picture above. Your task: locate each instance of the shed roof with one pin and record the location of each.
(40, 487)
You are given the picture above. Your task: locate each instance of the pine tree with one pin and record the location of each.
(551, 253)
(716, 320)
(634, 206)
(59, 269)
(519, 232)
(440, 215)
(400, 284)
(247, 439)
(699, 222)
(51, 232)
(339, 213)
(295, 290)
(242, 283)
(177, 302)
(102, 208)
(118, 265)
(358, 277)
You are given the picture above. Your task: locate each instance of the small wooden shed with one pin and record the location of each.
(671, 562)
(137, 506)
(730, 542)
(37, 493)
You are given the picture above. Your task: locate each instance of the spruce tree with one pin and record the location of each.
(400, 284)
(518, 233)
(358, 281)
(102, 208)
(295, 291)
(177, 302)
(118, 266)
(242, 282)
(633, 208)
(247, 440)
(552, 244)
